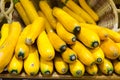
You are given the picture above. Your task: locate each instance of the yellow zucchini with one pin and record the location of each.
(73, 14)
(69, 55)
(29, 9)
(92, 70)
(4, 32)
(83, 54)
(118, 44)
(7, 48)
(115, 36)
(116, 65)
(64, 18)
(45, 47)
(21, 49)
(77, 69)
(21, 12)
(98, 55)
(31, 63)
(60, 65)
(58, 44)
(48, 27)
(110, 49)
(15, 66)
(68, 37)
(78, 10)
(88, 38)
(102, 33)
(46, 67)
(36, 28)
(88, 9)
(106, 67)
(47, 10)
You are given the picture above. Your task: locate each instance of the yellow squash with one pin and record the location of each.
(29, 9)
(45, 47)
(15, 66)
(58, 44)
(46, 67)
(101, 32)
(70, 24)
(89, 10)
(92, 70)
(31, 63)
(48, 27)
(106, 67)
(115, 36)
(98, 55)
(118, 44)
(116, 65)
(4, 32)
(77, 69)
(21, 49)
(88, 38)
(78, 10)
(83, 54)
(68, 37)
(110, 49)
(47, 10)
(60, 65)
(36, 28)
(21, 12)
(73, 14)
(69, 56)
(7, 48)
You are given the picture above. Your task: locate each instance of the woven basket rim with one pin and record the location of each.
(116, 15)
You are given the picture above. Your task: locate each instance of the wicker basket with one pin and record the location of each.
(106, 10)
(108, 14)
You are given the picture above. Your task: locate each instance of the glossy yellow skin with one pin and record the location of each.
(7, 48)
(83, 54)
(58, 44)
(4, 32)
(21, 49)
(68, 37)
(78, 10)
(106, 67)
(60, 65)
(47, 10)
(36, 28)
(110, 49)
(64, 18)
(73, 14)
(29, 9)
(46, 67)
(118, 44)
(22, 13)
(77, 69)
(89, 10)
(115, 36)
(45, 47)
(69, 56)
(88, 38)
(116, 65)
(15, 66)
(100, 31)
(48, 27)
(98, 55)
(31, 63)
(92, 70)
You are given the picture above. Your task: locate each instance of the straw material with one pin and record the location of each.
(107, 12)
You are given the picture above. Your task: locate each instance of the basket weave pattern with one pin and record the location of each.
(107, 12)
